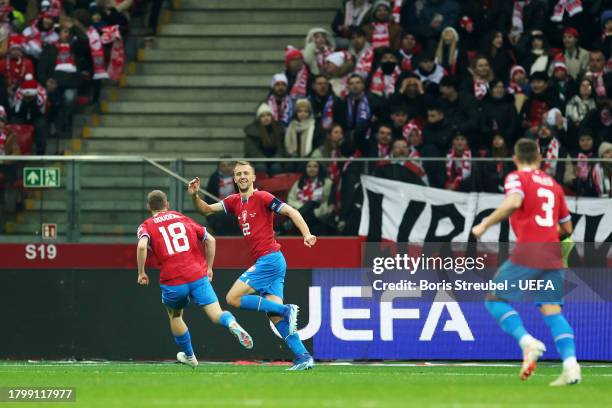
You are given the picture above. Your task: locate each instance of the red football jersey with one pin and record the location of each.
(536, 221)
(175, 240)
(256, 218)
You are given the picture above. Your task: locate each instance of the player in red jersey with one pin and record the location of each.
(261, 286)
(184, 273)
(538, 213)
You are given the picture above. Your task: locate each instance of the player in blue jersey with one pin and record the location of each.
(261, 286)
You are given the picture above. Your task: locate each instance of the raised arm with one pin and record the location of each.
(510, 204)
(141, 258)
(298, 221)
(200, 205)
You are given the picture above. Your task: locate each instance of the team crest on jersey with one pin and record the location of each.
(243, 215)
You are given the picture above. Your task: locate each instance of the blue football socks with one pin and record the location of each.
(226, 319)
(508, 318)
(260, 304)
(184, 343)
(563, 334)
(293, 341)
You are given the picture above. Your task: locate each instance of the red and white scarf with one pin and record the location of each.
(327, 118)
(396, 5)
(582, 166)
(549, 165)
(312, 190)
(284, 113)
(36, 39)
(384, 151)
(514, 88)
(517, 15)
(97, 54)
(481, 88)
(64, 61)
(605, 117)
(226, 186)
(384, 85)
(17, 69)
(56, 8)
(572, 7)
(380, 35)
(458, 170)
(298, 90)
(364, 62)
(41, 99)
(112, 35)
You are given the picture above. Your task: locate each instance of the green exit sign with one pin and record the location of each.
(41, 177)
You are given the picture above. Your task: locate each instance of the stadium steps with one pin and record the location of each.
(189, 93)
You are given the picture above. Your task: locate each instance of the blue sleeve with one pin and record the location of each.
(276, 205)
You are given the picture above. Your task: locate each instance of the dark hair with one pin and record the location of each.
(356, 30)
(321, 176)
(386, 125)
(380, 51)
(526, 150)
(449, 82)
(157, 200)
(315, 77)
(355, 75)
(327, 147)
(398, 139)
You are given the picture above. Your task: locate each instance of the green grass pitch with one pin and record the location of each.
(129, 385)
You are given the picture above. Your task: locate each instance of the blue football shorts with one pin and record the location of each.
(178, 296)
(267, 276)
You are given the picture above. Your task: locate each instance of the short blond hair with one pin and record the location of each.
(244, 163)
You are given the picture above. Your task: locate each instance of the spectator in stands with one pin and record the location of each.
(221, 184)
(279, 100)
(580, 104)
(583, 182)
(597, 71)
(604, 42)
(29, 106)
(326, 107)
(549, 135)
(519, 83)
(377, 146)
(319, 44)
(9, 172)
(298, 75)
(60, 68)
(481, 74)
(429, 72)
(337, 67)
(470, 40)
(494, 173)
(408, 50)
(264, 138)
(380, 28)
(460, 110)
(428, 18)
(311, 196)
(498, 54)
(603, 171)
(301, 136)
(562, 81)
(361, 108)
(384, 78)
(411, 94)
(575, 57)
(108, 13)
(399, 168)
(40, 34)
(11, 21)
(448, 53)
(362, 52)
(599, 120)
(459, 165)
(542, 99)
(499, 116)
(16, 66)
(399, 120)
(538, 57)
(350, 15)
(437, 136)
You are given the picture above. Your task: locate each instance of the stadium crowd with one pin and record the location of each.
(439, 78)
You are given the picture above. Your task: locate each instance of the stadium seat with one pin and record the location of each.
(25, 137)
(280, 184)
